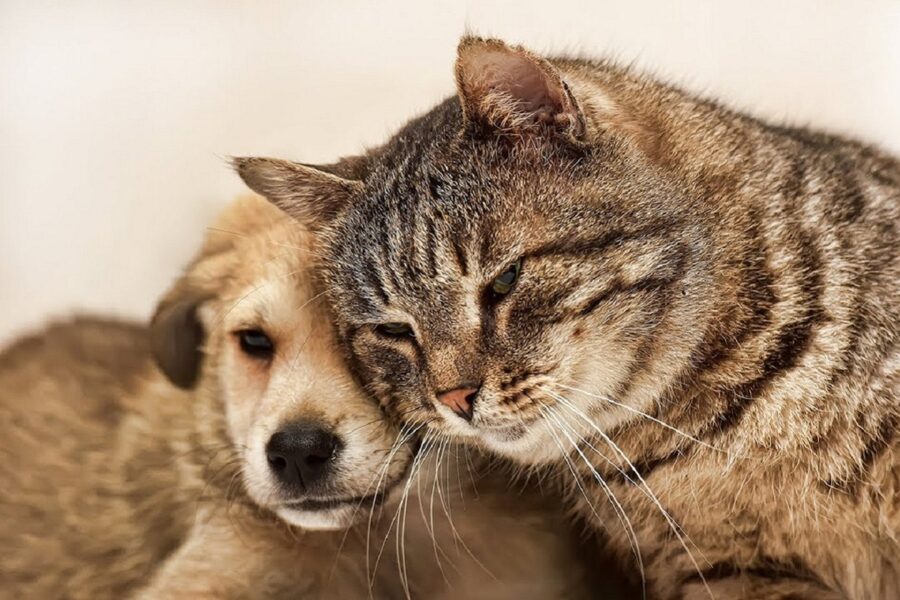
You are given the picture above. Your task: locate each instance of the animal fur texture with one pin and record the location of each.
(116, 483)
(702, 342)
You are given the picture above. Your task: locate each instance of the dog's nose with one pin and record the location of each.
(461, 400)
(301, 454)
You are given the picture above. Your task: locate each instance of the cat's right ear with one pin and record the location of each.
(313, 195)
(508, 89)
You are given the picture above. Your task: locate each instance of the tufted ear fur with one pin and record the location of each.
(509, 89)
(314, 195)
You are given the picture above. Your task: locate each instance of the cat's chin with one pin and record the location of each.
(528, 444)
(533, 447)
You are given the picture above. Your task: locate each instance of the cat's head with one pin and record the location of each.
(513, 265)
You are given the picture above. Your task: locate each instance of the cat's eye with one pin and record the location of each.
(504, 284)
(396, 330)
(255, 343)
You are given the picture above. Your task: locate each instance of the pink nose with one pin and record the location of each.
(460, 401)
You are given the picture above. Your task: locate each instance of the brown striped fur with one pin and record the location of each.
(707, 297)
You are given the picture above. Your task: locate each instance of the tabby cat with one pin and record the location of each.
(690, 315)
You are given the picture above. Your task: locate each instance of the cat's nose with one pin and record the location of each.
(460, 400)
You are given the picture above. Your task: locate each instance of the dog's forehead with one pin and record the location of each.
(279, 301)
(270, 282)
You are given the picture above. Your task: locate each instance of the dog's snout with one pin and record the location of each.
(301, 454)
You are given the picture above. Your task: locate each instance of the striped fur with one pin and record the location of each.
(706, 322)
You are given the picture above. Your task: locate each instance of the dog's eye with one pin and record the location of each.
(255, 343)
(503, 285)
(396, 330)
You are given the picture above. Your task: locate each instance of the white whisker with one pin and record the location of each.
(641, 413)
(676, 528)
(617, 506)
(458, 539)
(406, 433)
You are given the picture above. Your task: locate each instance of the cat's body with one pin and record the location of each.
(712, 297)
(796, 378)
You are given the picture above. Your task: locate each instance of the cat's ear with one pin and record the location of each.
(314, 195)
(510, 89)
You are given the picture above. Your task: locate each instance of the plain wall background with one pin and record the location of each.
(115, 116)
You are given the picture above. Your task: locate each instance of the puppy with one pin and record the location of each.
(115, 482)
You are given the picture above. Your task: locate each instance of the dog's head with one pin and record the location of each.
(247, 325)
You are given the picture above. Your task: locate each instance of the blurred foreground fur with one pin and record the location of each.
(114, 482)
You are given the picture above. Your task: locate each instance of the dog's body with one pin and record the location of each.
(114, 482)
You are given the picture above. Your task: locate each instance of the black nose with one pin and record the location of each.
(301, 454)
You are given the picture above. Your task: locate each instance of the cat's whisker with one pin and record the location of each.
(564, 428)
(445, 504)
(640, 413)
(462, 496)
(401, 541)
(389, 454)
(575, 477)
(395, 520)
(469, 468)
(429, 523)
(675, 527)
(406, 433)
(439, 475)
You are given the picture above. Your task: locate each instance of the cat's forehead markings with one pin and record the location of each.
(471, 310)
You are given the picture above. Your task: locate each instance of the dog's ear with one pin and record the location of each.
(177, 335)
(177, 332)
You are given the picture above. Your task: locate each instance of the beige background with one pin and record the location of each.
(115, 116)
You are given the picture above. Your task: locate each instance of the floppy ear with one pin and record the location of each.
(176, 330)
(176, 336)
(312, 195)
(510, 89)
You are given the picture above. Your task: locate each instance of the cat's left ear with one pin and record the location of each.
(314, 195)
(509, 89)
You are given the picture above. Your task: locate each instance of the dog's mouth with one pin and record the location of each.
(341, 511)
(324, 504)
(339, 507)
(331, 513)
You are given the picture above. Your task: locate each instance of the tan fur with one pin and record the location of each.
(113, 482)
